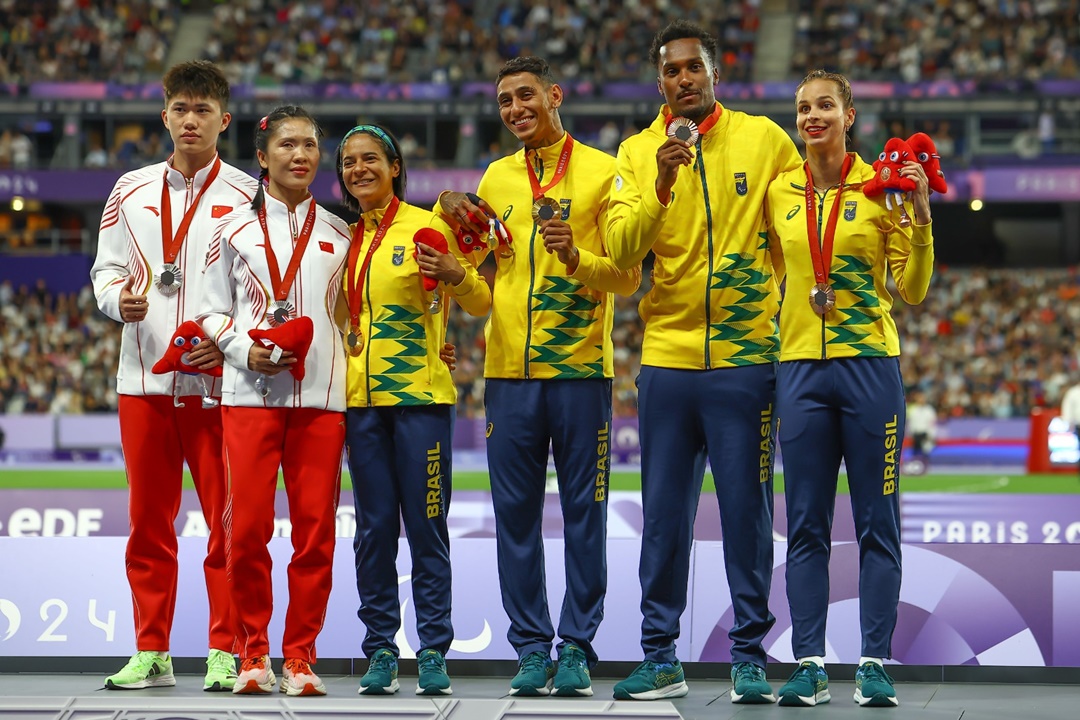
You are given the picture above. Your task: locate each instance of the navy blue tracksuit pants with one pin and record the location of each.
(686, 416)
(523, 417)
(400, 461)
(850, 408)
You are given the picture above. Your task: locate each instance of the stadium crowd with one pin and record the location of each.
(989, 343)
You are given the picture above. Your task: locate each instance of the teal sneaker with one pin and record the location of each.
(653, 681)
(220, 672)
(534, 676)
(749, 686)
(874, 687)
(572, 676)
(433, 677)
(144, 669)
(808, 685)
(381, 675)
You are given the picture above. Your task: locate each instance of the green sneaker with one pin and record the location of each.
(653, 681)
(381, 675)
(144, 669)
(572, 676)
(534, 676)
(808, 685)
(220, 672)
(874, 687)
(433, 677)
(749, 686)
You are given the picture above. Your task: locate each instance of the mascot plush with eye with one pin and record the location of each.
(186, 338)
(926, 154)
(888, 180)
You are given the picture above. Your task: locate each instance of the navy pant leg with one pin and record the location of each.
(581, 442)
(672, 469)
(369, 440)
(517, 450)
(422, 456)
(873, 429)
(810, 440)
(737, 410)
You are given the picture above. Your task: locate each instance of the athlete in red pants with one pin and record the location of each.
(154, 234)
(275, 266)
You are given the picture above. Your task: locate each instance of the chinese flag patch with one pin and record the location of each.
(220, 210)
(326, 247)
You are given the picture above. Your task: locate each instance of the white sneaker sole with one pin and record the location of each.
(307, 689)
(799, 701)
(878, 700)
(390, 689)
(157, 681)
(675, 690)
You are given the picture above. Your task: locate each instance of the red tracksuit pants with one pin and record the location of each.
(306, 444)
(157, 437)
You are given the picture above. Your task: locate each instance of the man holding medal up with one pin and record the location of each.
(154, 233)
(548, 368)
(691, 188)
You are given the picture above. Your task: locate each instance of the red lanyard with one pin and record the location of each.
(356, 284)
(282, 285)
(821, 252)
(560, 169)
(170, 245)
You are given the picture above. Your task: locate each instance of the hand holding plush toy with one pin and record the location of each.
(926, 154)
(186, 338)
(294, 336)
(888, 180)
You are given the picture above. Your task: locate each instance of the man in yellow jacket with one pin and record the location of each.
(691, 188)
(548, 370)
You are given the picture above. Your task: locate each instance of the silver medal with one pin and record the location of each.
(280, 313)
(261, 386)
(169, 279)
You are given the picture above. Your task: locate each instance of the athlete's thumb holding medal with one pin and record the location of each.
(673, 154)
(132, 307)
(559, 239)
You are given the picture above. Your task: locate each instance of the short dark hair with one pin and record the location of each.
(680, 30)
(530, 64)
(197, 78)
(393, 152)
(266, 127)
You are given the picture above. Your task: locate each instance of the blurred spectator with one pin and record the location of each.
(96, 157)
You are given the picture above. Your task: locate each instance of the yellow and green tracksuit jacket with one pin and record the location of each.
(544, 323)
(868, 238)
(714, 297)
(400, 363)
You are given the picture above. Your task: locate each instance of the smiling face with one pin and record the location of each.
(820, 115)
(529, 109)
(367, 172)
(687, 78)
(194, 124)
(291, 158)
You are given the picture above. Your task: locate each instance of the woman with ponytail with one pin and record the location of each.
(403, 269)
(272, 279)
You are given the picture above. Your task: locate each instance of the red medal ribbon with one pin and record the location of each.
(560, 169)
(356, 284)
(282, 285)
(706, 124)
(821, 252)
(170, 245)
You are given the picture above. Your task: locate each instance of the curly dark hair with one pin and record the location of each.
(680, 30)
(530, 64)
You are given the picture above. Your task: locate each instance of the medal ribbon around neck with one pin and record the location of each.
(560, 170)
(705, 125)
(282, 285)
(356, 284)
(821, 252)
(170, 244)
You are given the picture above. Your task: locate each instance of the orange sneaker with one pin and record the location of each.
(256, 676)
(298, 679)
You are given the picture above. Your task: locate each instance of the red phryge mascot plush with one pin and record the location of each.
(888, 180)
(186, 338)
(926, 154)
(433, 239)
(293, 336)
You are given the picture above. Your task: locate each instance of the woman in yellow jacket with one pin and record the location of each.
(839, 394)
(401, 399)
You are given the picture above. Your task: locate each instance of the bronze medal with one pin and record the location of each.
(683, 129)
(822, 298)
(169, 279)
(546, 208)
(354, 341)
(436, 304)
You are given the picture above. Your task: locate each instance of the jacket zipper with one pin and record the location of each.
(820, 217)
(708, 280)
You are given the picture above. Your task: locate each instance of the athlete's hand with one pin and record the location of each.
(559, 239)
(259, 360)
(466, 210)
(921, 194)
(672, 155)
(132, 307)
(439, 265)
(206, 356)
(448, 355)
